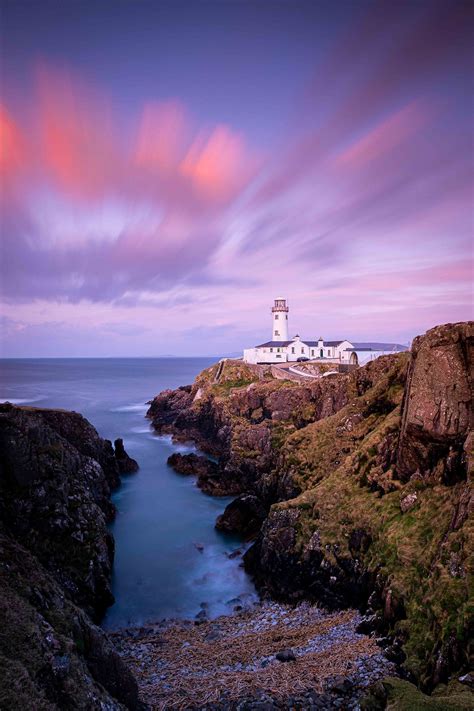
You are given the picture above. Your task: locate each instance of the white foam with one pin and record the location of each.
(130, 408)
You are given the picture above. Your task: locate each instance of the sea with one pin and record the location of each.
(169, 559)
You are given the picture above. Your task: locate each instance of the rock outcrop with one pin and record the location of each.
(366, 477)
(56, 475)
(244, 516)
(245, 415)
(437, 412)
(125, 464)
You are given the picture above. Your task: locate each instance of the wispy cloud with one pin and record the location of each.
(360, 212)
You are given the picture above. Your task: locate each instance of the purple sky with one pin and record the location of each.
(167, 169)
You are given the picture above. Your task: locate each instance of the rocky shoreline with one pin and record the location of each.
(366, 481)
(56, 555)
(355, 493)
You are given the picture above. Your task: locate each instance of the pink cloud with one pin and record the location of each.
(218, 164)
(12, 145)
(78, 144)
(384, 138)
(162, 135)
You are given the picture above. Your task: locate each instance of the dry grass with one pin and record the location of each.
(183, 666)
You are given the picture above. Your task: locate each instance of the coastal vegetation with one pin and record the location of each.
(355, 492)
(366, 477)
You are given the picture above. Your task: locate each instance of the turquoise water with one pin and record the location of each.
(162, 519)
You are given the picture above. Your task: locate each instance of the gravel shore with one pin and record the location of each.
(269, 656)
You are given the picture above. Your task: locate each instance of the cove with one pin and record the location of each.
(169, 559)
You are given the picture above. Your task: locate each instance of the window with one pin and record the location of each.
(278, 350)
(321, 354)
(312, 352)
(292, 349)
(271, 350)
(276, 316)
(277, 333)
(329, 352)
(302, 350)
(286, 317)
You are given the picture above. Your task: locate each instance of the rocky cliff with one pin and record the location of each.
(365, 477)
(56, 475)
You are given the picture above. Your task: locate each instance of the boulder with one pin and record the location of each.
(287, 655)
(243, 516)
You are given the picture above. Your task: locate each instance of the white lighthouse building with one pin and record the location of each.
(282, 349)
(280, 319)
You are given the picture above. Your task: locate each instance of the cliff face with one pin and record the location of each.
(367, 478)
(245, 415)
(56, 554)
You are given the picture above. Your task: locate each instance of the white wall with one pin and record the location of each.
(265, 355)
(301, 349)
(279, 326)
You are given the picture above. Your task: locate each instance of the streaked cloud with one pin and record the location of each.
(117, 206)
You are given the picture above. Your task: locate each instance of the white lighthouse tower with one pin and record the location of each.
(280, 320)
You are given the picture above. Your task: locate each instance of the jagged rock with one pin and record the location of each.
(244, 516)
(52, 655)
(56, 474)
(209, 478)
(437, 407)
(408, 502)
(54, 498)
(191, 464)
(126, 464)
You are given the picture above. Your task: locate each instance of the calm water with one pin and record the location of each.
(158, 571)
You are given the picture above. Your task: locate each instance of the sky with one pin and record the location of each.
(168, 168)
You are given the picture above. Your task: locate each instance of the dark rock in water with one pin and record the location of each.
(126, 464)
(234, 554)
(189, 464)
(244, 516)
(206, 471)
(467, 679)
(287, 655)
(199, 547)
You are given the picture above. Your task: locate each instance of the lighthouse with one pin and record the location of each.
(280, 320)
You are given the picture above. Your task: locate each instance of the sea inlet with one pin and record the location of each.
(169, 559)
